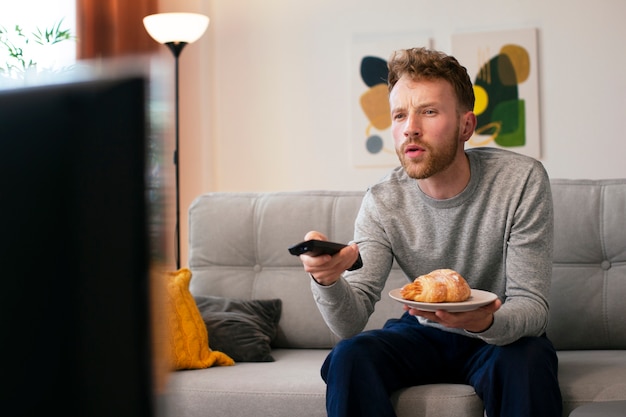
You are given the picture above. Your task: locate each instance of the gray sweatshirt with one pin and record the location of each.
(497, 233)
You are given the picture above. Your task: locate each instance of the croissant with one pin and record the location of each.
(438, 286)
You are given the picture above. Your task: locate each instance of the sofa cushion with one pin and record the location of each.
(293, 387)
(243, 329)
(591, 375)
(601, 409)
(238, 249)
(189, 341)
(589, 269)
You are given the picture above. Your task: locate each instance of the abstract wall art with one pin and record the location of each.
(371, 143)
(504, 70)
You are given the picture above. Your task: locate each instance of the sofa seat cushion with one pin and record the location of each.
(591, 375)
(293, 382)
(601, 409)
(292, 386)
(441, 400)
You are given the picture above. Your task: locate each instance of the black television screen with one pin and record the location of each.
(74, 304)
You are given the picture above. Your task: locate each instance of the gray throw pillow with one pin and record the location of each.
(242, 329)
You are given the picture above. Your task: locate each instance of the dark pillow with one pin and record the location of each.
(243, 329)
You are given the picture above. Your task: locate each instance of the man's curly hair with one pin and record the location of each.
(426, 64)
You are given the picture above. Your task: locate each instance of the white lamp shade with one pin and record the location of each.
(176, 27)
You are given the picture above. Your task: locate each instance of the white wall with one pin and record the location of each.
(281, 83)
(270, 85)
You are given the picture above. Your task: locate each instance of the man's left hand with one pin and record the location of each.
(475, 321)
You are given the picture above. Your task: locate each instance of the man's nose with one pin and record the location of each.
(413, 126)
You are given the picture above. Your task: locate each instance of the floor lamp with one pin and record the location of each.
(176, 30)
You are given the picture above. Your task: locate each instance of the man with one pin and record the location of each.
(486, 213)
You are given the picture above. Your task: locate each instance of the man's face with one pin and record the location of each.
(425, 126)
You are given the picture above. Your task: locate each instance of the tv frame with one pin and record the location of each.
(75, 304)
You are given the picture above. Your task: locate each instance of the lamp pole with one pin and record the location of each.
(177, 48)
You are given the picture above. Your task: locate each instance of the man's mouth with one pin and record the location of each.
(413, 151)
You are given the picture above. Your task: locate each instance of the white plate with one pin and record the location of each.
(477, 299)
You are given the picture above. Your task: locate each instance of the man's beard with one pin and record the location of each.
(434, 160)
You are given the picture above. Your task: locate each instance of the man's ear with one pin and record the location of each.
(468, 124)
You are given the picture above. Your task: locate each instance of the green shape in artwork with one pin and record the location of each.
(512, 113)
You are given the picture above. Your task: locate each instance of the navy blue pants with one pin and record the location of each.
(519, 379)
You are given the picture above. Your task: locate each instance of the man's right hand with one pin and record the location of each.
(327, 269)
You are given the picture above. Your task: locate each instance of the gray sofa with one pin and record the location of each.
(238, 249)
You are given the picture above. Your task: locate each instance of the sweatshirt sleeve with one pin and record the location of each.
(347, 304)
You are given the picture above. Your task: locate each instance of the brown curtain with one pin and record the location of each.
(113, 28)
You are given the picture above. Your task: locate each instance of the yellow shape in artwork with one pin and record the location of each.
(520, 60)
(482, 99)
(375, 105)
